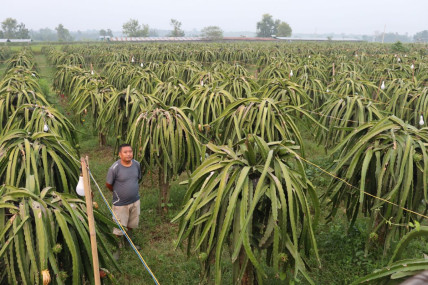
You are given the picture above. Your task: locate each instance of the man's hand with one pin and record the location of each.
(109, 186)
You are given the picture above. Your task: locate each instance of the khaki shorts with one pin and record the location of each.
(128, 216)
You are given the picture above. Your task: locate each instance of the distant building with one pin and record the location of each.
(248, 39)
(155, 39)
(184, 39)
(308, 39)
(16, 40)
(227, 39)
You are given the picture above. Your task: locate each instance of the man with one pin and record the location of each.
(123, 180)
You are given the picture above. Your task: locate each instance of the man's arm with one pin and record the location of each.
(110, 179)
(109, 186)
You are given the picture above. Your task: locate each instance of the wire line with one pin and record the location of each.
(368, 194)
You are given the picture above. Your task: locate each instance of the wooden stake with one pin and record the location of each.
(91, 222)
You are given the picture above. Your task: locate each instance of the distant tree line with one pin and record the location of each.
(266, 27)
(12, 30)
(60, 34)
(269, 27)
(212, 33)
(106, 33)
(132, 28)
(44, 35)
(421, 37)
(177, 31)
(392, 38)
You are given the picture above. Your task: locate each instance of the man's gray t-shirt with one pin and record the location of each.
(125, 182)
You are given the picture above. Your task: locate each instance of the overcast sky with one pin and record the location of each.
(304, 16)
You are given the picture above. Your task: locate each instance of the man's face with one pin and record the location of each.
(126, 154)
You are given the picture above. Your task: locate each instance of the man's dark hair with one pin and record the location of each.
(123, 145)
